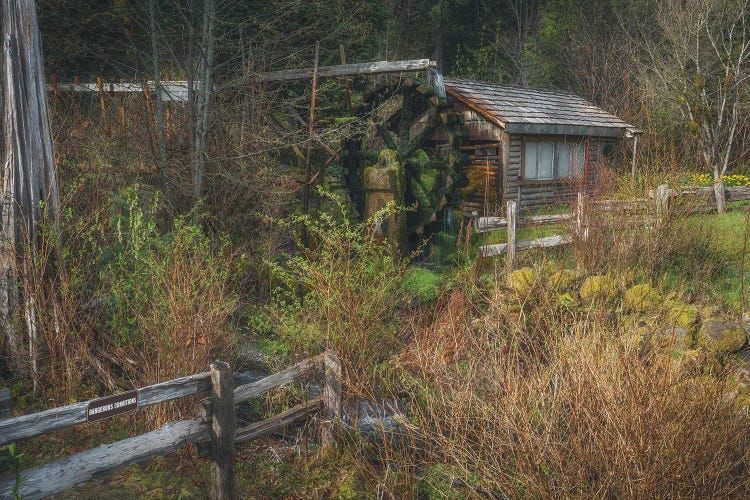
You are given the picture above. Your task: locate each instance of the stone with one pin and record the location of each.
(384, 184)
(721, 338)
(678, 337)
(682, 314)
(641, 298)
(598, 288)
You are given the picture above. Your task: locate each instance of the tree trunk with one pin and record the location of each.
(204, 97)
(160, 128)
(721, 201)
(30, 194)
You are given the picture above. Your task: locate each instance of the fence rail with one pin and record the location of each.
(656, 206)
(215, 433)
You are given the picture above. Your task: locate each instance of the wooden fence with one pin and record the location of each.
(657, 206)
(215, 433)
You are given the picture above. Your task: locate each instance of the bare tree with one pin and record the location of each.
(700, 60)
(203, 104)
(30, 193)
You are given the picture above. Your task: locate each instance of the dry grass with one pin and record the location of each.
(585, 413)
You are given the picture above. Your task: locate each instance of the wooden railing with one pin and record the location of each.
(657, 206)
(510, 223)
(215, 433)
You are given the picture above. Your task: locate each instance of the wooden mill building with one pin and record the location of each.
(534, 146)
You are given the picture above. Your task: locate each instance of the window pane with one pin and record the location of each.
(546, 160)
(577, 160)
(562, 161)
(530, 160)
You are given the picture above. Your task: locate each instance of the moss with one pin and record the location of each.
(562, 279)
(567, 300)
(598, 288)
(422, 284)
(682, 314)
(641, 298)
(721, 338)
(522, 280)
(443, 249)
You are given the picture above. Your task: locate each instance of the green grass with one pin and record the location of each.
(726, 287)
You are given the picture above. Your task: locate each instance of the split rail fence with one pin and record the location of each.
(215, 434)
(657, 206)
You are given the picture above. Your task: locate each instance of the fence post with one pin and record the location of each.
(222, 431)
(103, 107)
(510, 217)
(582, 229)
(4, 413)
(662, 202)
(331, 399)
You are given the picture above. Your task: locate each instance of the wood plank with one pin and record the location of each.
(487, 224)
(271, 425)
(546, 242)
(221, 432)
(4, 403)
(36, 424)
(67, 472)
(370, 68)
(332, 407)
(249, 391)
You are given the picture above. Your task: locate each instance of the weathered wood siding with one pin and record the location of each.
(530, 194)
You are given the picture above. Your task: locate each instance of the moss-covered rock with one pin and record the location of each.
(522, 280)
(721, 338)
(682, 314)
(562, 279)
(566, 300)
(641, 298)
(598, 288)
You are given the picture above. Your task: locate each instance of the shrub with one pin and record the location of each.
(597, 415)
(168, 294)
(341, 293)
(422, 283)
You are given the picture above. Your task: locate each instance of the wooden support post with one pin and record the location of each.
(103, 107)
(511, 220)
(635, 153)
(4, 413)
(310, 132)
(222, 432)
(55, 95)
(582, 226)
(331, 399)
(662, 202)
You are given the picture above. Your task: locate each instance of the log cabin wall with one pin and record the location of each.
(535, 194)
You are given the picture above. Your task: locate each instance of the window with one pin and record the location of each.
(545, 160)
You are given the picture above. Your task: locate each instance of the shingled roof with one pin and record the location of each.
(537, 111)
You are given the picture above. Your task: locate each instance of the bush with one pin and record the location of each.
(168, 294)
(341, 293)
(594, 416)
(422, 283)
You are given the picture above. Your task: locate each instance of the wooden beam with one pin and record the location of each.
(223, 426)
(370, 68)
(546, 242)
(67, 472)
(332, 403)
(271, 425)
(486, 224)
(36, 424)
(249, 391)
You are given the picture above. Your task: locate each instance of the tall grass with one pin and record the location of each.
(543, 401)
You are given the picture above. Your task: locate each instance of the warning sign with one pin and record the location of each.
(110, 406)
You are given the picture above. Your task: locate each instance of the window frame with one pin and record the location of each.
(582, 140)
